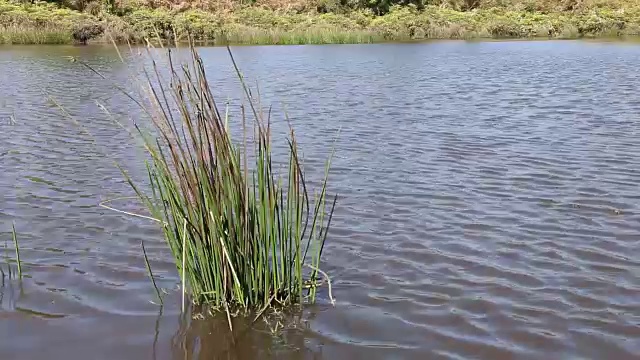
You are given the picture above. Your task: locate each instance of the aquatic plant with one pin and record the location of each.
(18, 262)
(242, 236)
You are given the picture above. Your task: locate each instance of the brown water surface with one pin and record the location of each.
(490, 204)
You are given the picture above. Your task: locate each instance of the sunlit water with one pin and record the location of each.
(489, 203)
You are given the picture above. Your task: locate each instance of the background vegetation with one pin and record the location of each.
(312, 21)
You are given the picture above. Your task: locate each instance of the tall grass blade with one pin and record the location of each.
(6, 257)
(15, 244)
(150, 273)
(184, 259)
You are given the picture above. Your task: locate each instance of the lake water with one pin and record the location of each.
(489, 204)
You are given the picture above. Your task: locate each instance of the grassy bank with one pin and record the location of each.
(26, 23)
(23, 35)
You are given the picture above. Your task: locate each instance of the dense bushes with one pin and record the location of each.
(39, 14)
(43, 23)
(256, 24)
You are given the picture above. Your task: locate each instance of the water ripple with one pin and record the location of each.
(489, 202)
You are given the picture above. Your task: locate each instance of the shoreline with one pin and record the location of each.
(628, 39)
(46, 23)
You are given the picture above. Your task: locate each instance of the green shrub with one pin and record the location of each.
(150, 23)
(132, 21)
(200, 24)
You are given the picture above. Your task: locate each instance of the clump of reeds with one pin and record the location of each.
(10, 274)
(243, 236)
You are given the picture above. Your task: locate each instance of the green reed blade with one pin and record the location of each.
(15, 244)
(149, 272)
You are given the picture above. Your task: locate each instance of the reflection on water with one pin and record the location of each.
(282, 336)
(489, 204)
